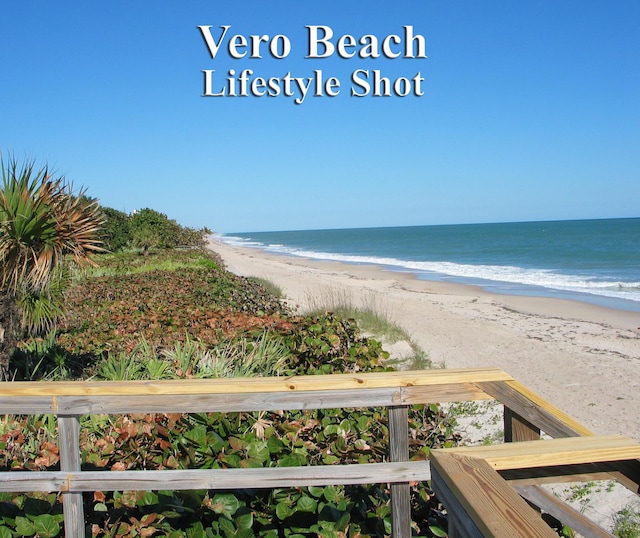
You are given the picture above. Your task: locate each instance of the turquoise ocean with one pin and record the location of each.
(594, 261)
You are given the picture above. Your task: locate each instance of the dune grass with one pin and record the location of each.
(261, 356)
(371, 315)
(627, 522)
(269, 286)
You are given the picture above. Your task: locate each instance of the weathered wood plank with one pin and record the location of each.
(494, 508)
(561, 511)
(552, 452)
(69, 446)
(255, 401)
(534, 409)
(271, 477)
(399, 452)
(259, 401)
(27, 405)
(256, 384)
(517, 429)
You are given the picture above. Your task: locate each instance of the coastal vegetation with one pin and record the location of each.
(627, 522)
(372, 319)
(47, 229)
(146, 229)
(178, 313)
(44, 227)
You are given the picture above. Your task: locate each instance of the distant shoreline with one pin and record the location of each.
(488, 285)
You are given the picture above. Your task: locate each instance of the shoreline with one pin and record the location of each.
(527, 290)
(582, 358)
(528, 258)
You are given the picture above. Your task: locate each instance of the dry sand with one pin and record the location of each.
(584, 359)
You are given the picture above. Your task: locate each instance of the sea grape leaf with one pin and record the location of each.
(148, 499)
(225, 503)
(275, 445)
(197, 435)
(24, 526)
(251, 463)
(292, 460)
(306, 504)
(333, 494)
(258, 450)
(236, 444)
(284, 510)
(244, 521)
(330, 459)
(227, 526)
(316, 491)
(196, 530)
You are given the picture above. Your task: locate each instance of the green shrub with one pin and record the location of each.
(147, 229)
(116, 229)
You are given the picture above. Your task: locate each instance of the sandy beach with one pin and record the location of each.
(582, 358)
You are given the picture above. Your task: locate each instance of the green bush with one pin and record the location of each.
(117, 229)
(147, 229)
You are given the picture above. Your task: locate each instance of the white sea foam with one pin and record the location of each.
(480, 274)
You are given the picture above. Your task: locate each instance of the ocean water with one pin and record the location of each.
(596, 261)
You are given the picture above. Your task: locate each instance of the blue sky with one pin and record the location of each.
(531, 111)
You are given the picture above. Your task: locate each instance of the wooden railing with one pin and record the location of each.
(525, 415)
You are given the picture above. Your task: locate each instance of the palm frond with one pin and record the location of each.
(41, 222)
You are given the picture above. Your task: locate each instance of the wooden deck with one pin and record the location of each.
(482, 488)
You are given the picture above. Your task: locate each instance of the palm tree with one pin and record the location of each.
(42, 224)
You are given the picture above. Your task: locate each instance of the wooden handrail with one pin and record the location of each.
(395, 391)
(248, 385)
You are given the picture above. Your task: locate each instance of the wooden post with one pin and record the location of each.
(399, 451)
(69, 445)
(518, 429)
(460, 525)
